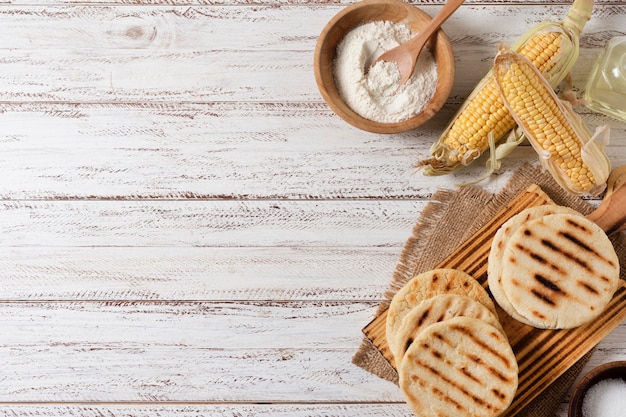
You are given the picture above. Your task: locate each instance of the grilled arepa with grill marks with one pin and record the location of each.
(436, 309)
(426, 285)
(459, 367)
(559, 271)
(494, 266)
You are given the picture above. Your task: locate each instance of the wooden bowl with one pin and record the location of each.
(610, 370)
(375, 10)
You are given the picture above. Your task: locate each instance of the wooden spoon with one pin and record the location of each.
(611, 213)
(405, 55)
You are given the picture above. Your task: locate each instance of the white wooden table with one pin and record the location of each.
(187, 229)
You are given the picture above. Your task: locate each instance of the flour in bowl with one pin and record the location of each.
(372, 94)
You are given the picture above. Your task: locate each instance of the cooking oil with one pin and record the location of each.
(606, 87)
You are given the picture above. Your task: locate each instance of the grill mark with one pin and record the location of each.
(415, 379)
(579, 243)
(446, 398)
(578, 225)
(539, 258)
(498, 394)
(582, 244)
(476, 359)
(408, 344)
(538, 314)
(546, 282)
(423, 317)
(437, 354)
(468, 374)
(605, 279)
(587, 287)
(454, 384)
(481, 343)
(542, 297)
(441, 338)
(550, 285)
(577, 260)
(550, 245)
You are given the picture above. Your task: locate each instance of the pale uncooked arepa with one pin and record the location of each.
(459, 367)
(437, 309)
(559, 271)
(494, 265)
(427, 285)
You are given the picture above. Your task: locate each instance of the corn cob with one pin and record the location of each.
(567, 149)
(553, 48)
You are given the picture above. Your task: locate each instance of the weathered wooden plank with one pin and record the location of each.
(208, 151)
(212, 274)
(51, 75)
(212, 223)
(117, 56)
(197, 76)
(166, 151)
(257, 3)
(163, 373)
(222, 150)
(364, 409)
(199, 325)
(189, 351)
(170, 27)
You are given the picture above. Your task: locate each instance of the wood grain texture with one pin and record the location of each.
(174, 351)
(203, 151)
(186, 229)
(229, 223)
(183, 273)
(218, 410)
(170, 53)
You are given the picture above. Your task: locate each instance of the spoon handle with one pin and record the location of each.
(443, 15)
(611, 214)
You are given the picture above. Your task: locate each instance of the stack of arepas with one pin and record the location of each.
(451, 354)
(552, 268)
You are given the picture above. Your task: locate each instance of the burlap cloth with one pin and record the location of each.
(447, 221)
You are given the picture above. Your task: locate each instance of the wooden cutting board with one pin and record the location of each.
(542, 355)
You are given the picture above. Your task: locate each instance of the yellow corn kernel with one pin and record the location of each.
(553, 47)
(485, 111)
(536, 109)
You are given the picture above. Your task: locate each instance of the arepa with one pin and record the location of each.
(459, 367)
(437, 309)
(494, 265)
(426, 285)
(559, 271)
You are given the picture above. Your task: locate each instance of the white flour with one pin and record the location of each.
(373, 95)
